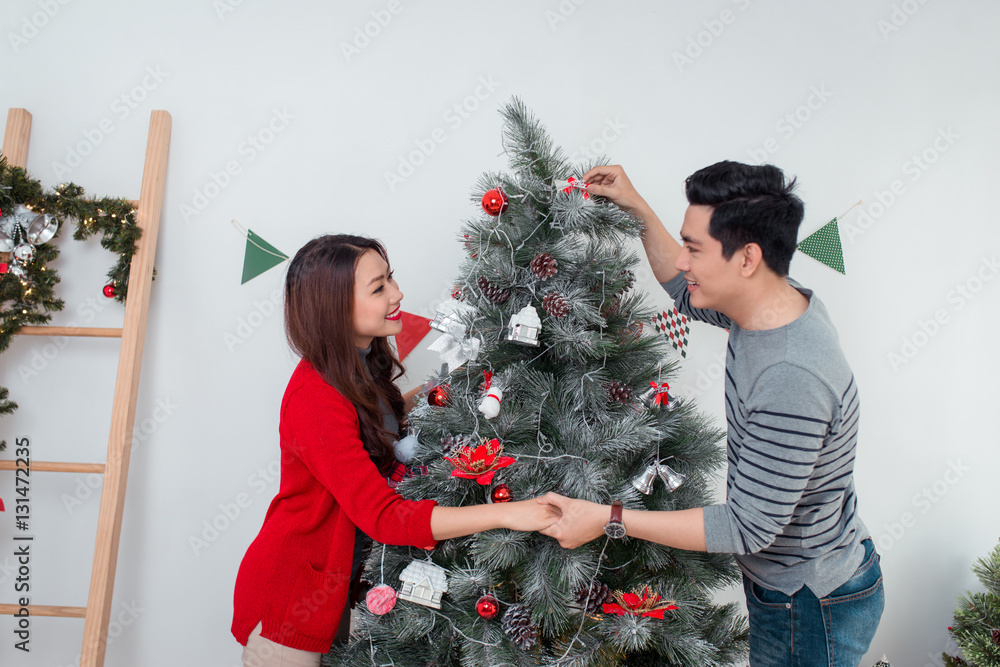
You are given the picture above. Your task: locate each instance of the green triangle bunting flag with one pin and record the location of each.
(259, 257)
(824, 245)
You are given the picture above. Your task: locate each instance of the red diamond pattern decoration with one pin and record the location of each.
(675, 327)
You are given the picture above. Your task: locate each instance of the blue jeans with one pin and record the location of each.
(805, 631)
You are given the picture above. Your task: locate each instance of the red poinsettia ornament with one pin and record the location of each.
(650, 604)
(480, 463)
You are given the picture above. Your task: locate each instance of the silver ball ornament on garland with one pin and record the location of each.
(24, 252)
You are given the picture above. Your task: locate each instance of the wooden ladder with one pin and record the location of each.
(133, 332)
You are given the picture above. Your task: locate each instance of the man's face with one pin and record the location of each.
(712, 279)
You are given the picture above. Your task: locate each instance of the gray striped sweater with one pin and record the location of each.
(792, 409)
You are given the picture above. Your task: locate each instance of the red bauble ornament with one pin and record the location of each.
(488, 607)
(381, 599)
(494, 201)
(109, 290)
(500, 494)
(438, 396)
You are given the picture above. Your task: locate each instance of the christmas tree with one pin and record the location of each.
(977, 618)
(548, 335)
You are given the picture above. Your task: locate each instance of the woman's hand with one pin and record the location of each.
(410, 398)
(530, 515)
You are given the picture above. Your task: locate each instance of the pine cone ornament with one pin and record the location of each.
(492, 292)
(618, 392)
(544, 266)
(611, 309)
(629, 277)
(593, 597)
(451, 443)
(555, 304)
(995, 634)
(518, 626)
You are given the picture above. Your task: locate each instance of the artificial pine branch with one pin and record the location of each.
(976, 627)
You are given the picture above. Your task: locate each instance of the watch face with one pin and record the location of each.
(615, 530)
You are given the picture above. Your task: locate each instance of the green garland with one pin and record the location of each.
(29, 299)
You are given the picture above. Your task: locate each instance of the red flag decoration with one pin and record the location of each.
(675, 327)
(414, 330)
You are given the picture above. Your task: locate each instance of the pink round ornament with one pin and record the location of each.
(381, 599)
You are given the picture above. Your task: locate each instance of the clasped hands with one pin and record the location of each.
(570, 521)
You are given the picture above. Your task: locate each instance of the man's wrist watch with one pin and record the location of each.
(615, 528)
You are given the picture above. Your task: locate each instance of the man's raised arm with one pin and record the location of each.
(661, 248)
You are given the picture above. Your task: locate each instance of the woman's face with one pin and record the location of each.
(376, 300)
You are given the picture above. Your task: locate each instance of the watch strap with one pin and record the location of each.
(616, 511)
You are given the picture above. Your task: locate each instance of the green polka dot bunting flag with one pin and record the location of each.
(675, 327)
(824, 245)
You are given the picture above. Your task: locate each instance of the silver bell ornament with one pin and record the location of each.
(42, 229)
(525, 327)
(6, 242)
(670, 477)
(644, 482)
(658, 394)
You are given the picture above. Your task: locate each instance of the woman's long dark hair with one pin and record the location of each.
(319, 325)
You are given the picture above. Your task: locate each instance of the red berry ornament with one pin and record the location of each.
(438, 396)
(500, 494)
(488, 607)
(494, 202)
(109, 290)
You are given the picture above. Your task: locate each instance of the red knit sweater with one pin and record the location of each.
(295, 575)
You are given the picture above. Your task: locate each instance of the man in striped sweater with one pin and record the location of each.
(792, 409)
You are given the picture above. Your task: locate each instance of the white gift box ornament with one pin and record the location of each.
(490, 405)
(448, 315)
(525, 327)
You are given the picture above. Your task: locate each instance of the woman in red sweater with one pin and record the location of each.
(340, 415)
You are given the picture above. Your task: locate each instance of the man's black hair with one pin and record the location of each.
(752, 204)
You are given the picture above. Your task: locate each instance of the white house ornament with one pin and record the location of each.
(524, 327)
(423, 583)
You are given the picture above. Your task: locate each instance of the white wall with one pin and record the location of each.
(208, 410)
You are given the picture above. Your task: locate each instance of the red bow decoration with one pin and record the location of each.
(480, 463)
(630, 603)
(487, 382)
(401, 471)
(572, 183)
(662, 397)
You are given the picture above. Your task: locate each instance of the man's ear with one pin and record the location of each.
(751, 259)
